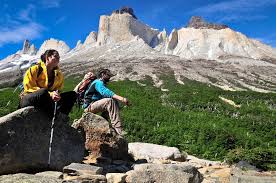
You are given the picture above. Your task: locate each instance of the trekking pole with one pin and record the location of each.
(52, 133)
(12, 93)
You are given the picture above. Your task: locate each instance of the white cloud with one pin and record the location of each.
(50, 3)
(235, 10)
(235, 6)
(60, 20)
(27, 14)
(19, 33)
(239, 18)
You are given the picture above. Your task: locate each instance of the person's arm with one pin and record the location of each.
(77, 87)
(121, 99)
(58, 86)
(30, 80)
(104, 91)
(87, 77)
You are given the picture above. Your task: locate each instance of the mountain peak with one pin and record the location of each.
(198, 22)
(125, 9)
(28, 48)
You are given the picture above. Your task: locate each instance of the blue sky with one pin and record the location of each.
(73, 20)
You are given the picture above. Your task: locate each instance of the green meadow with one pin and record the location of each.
(192, 118)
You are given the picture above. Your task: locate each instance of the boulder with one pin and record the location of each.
(151, 152)
(28, 178)
(177, 173)
(53, 174)
(81, 169)
(116, 177)
(101, 139)
(251, 176)
(24, 142)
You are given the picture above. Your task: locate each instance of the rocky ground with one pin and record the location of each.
(109, 157)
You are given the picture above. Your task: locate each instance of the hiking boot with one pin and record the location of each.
(122, 134)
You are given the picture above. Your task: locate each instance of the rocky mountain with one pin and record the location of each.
(58, 45)
(28, 48)
(198, 22)
(202, 51)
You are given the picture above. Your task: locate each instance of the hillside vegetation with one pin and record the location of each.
(193, 118)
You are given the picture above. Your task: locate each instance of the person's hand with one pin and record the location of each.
(126, 101)
(55, 96)
(89, 75)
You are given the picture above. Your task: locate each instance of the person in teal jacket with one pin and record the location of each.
(99, 98)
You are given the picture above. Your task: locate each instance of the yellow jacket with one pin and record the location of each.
(33, 83)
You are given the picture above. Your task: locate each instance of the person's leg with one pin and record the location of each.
(112, 107)
(39, 99)
(105, 115)
(67, 101)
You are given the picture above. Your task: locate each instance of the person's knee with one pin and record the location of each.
(71, 95)
(42, 91)
(110, 100)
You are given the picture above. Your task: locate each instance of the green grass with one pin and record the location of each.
(194, 119)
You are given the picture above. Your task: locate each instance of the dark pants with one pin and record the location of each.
(41, 99)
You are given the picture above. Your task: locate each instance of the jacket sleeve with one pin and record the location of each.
(30, 80)
(103, 90)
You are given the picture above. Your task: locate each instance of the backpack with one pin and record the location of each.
(21, 85)
(82, 89)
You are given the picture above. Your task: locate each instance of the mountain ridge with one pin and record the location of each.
(223, 57)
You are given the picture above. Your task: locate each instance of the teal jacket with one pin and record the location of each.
(97, 90)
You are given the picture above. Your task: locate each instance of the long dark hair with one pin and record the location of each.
(47, 53)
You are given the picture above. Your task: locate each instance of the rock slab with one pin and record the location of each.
(164, 173)
(24, 142)
(101, 139)
(151, 152)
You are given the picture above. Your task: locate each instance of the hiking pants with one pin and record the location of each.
(112, 107)
(41, 99)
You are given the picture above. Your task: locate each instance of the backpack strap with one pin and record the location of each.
(40, 69)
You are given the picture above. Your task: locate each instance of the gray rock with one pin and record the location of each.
(167, 173)
(198, 22)
(81, 169)
(24, 142)
(26, 46)
(171, 169)
(58, 45)
(159, 176)
(123, 27)
(53, 174)
(101, 139)
(251, 176)
(116, 177)
(27, 178)
(85, 178)
(244, 165)
(151, 152)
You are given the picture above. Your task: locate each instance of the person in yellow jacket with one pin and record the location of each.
(43, 83)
